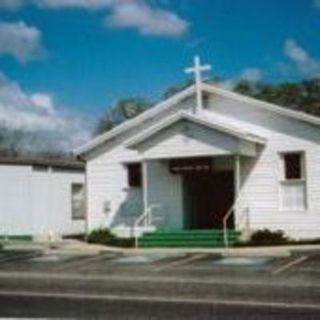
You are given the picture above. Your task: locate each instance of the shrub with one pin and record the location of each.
(101, 236)
(106, 237)
(124, 242)
(266, 237)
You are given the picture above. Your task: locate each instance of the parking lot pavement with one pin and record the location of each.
(170, 265)
(290, 281)
(161, 263)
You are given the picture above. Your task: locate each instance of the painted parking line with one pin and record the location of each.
(82, 262)
(182, 262)
(18, 257)
(289, 265)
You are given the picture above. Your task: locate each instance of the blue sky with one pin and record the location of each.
(74, 58)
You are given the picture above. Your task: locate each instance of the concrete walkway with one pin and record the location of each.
(270, 251)
(64, 247)
(74, 247)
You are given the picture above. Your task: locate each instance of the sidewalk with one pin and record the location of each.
(272, 251)
(64, 247)
(74, 247)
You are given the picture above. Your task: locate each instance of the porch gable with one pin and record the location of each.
(186, 135)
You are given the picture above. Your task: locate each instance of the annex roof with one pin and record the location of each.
(63, 163)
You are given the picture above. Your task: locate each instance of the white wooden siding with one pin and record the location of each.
(261, 176)
(37, 202)
(107, 175)
(165, 189)
(186, 139)
(15, 205)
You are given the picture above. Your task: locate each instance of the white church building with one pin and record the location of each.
(206, 159)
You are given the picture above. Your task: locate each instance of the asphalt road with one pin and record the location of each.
(159, 286)
(17, 306)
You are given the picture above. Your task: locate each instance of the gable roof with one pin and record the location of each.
(299, 115)
(182, 115)
(209, 88)
(95, 142)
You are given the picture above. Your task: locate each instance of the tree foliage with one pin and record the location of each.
(301, 96)
(124, 109)
(176, 88)
(183, 85)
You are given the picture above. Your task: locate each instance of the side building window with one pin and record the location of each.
(134, 175)
(78, 201)
(293, 191)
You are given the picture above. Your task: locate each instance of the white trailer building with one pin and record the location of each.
(41, 198)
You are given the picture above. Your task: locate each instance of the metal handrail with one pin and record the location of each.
(145, 216)
(142, 217)
(227, 217)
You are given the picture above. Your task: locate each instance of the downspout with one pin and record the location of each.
(145, 187)
(237, 173)
(86, 227)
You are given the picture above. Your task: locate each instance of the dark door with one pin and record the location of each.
(207, 198)
(223, 198)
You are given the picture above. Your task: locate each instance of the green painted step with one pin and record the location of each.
(16, 237)
(192, 231)
(187, 238)
(182, 245)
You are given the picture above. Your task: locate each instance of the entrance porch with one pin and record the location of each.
(191, 172)
(190, 193)
(187, 200)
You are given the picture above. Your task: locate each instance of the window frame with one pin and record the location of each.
(73, 217)
(283, 181)
(131, 164)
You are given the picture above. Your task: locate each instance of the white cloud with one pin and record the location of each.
(81, 4)
(252, 75)
(316, 4)
(302, 60)
(43, 102)
(148, 20)
(138, 14)
(36, 116)
(11, 4)
(143, 15)
(20, 40)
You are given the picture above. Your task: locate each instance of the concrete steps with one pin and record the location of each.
(186, 238)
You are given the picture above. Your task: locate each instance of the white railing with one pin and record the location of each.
(146, 218)
(241, 210)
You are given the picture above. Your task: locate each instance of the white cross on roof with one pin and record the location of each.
(197, 69)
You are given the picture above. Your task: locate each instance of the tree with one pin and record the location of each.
(301, 96)
(185, 84)
(10, 141)
(124, 109)
(177, 88)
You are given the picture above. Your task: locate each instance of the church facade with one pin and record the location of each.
(207, 158)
